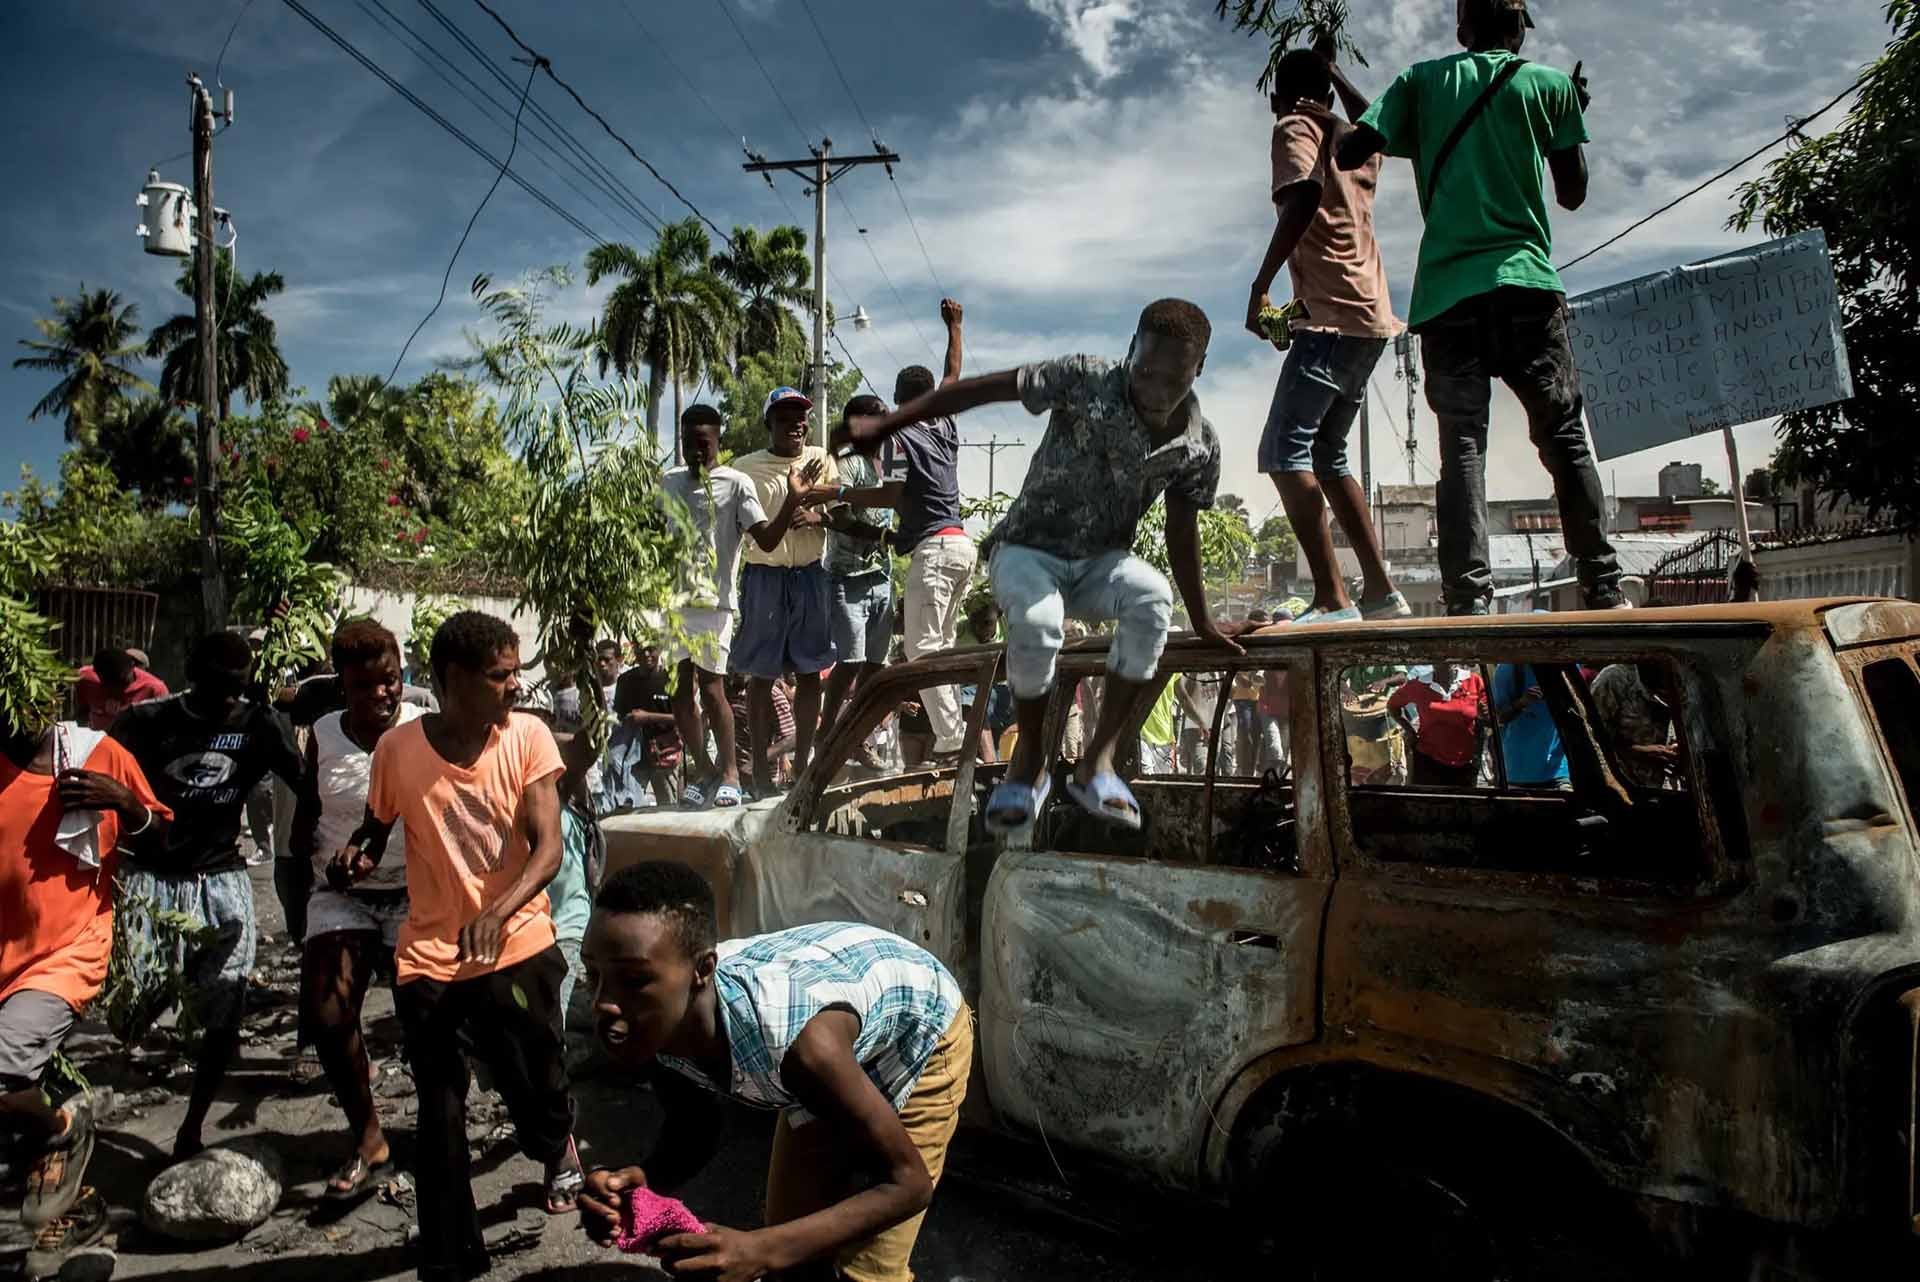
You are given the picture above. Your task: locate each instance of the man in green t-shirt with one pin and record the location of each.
(1487, 302)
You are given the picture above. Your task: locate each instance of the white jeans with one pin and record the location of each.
(937, 578)
(1036, 591)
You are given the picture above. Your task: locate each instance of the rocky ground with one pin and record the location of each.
(1002, 1214)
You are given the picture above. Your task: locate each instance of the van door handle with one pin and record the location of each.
(1255, 939)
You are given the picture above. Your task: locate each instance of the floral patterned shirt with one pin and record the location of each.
(1097, 470)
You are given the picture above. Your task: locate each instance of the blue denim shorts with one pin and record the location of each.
(785, 621)
(861, 608)
(1314, 404)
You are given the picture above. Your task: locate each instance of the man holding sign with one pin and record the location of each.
(1481, 128)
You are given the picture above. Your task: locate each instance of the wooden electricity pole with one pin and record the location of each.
(213, 586)
(822, 171)
(993, 448)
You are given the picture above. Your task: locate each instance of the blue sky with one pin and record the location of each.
(1066, 161)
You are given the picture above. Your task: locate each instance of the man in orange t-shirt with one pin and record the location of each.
(56, 931)
(476, 786)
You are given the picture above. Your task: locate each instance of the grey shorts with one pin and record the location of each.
(216, 966)
(860, 608)
(32, 1026)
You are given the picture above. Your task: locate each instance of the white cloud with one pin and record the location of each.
(1109, 35)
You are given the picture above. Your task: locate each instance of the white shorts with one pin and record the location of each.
(709, 639)
(330, 912)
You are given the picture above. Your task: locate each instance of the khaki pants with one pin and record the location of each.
(809, 1170)
(937, 579)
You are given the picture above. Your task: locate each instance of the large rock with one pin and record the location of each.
(217, 1196)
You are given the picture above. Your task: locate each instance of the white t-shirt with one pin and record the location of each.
(724, 505)
(344, 768)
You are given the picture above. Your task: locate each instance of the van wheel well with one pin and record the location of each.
(1451, 1172)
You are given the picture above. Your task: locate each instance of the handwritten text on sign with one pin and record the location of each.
(1748, 336)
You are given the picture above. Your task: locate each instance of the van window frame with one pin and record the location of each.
(1856, 660)
(1717, 872)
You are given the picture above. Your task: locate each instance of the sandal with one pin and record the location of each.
(357, 1178)
(726, 796)
(693, 796)
(1108, 798)
(564, 1184)
(1014, 805)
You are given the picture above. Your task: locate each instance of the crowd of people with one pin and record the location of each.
(449, 841)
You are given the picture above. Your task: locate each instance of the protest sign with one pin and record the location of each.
(1747, 336)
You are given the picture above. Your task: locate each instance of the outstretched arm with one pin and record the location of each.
(951, 313)
(944, 401)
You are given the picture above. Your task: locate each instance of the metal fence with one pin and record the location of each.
(92, 618)
(1697, 573)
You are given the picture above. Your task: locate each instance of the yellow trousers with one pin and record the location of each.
(810, 1171)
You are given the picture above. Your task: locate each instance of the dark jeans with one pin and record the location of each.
(1518, 336)
(1423, 771)
(293, 886)
(511, 1019)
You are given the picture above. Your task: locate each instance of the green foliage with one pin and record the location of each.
(87, 341)
(143, 979)
(96, 533)
(1861, 185)
(771, 272)
(247, 347)
(1276, 543)
(597, 550)
(279, 583)
(1289, 24)
(32, 677)
(429, 612)
(1225, 544)
(148, 445)
(744, 391)
(670, 312)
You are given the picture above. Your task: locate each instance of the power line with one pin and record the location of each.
(808, 9)
(778, 96)
(485, 102)
(1695, 190)
(361, 58)
(542, 62)
(222, 59)
(606, 178)
(653, 42)
(894, 289)
(448, 276)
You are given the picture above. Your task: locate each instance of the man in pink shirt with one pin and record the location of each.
(112, 683)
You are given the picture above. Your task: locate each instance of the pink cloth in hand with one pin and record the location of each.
(650, 1217)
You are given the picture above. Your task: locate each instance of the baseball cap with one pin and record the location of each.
(1500, 6)
(779, 394)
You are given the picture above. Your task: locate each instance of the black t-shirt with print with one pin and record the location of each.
(203, 770)
(926, 456)
(638, 689)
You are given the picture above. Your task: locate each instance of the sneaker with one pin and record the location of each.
(1473, 609)
(54, 1182)
(1608, 601)
(1346, 614)
(83, 1224)
(1391, 606)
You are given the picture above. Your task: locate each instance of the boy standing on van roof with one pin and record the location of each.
(1118, 436)
(1323, 233)
(1487, 302)
(861, 1039)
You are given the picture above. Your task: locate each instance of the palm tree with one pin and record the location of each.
(671, 313)
(772, 274)
(150, 448)
(85, 341)
(247, 346)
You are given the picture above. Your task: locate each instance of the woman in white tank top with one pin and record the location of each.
(351, 933)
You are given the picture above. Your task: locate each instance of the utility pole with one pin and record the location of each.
(993, 448)
(213, 586)
(1409, 372)
(822, 169)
